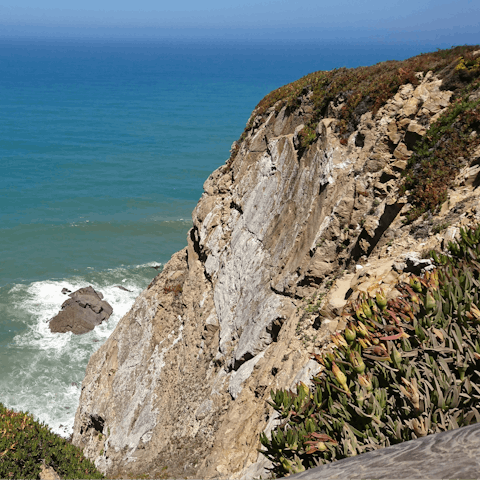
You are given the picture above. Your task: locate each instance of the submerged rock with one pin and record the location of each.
(82, 312)
(123, 288)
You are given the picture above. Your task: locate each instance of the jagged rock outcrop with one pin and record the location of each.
(82, 312)
(281, 236)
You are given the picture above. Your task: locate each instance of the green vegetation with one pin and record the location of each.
(25, 444)
(440, 228)
(175, 289)
(403, 368)
(362, 89)
(313, 306)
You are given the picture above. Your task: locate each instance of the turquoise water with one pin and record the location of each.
(104, 148)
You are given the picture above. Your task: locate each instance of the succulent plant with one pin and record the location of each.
(404, 369)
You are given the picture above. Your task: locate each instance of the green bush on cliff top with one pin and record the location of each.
(25, 444)
(402, 369)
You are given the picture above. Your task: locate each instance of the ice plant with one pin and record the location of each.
(339, 340)
(366, 310)
(350, 333)
(362, 330)
(356, 361)
(365, 382)
(415, 284)
(381, 300)
(429, 302)
(411, 392)
(340, 376)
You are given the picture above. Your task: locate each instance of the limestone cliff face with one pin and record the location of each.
(181, 385)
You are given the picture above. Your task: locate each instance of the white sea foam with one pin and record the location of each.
(42, 371)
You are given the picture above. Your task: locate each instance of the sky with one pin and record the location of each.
(450, 22)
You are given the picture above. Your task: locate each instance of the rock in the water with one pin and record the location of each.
(451, 454)
(123, 288)
(82, 312)
(66, 290)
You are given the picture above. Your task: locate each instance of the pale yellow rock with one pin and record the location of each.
(364, 245)
(48, 473)
(402, 152)
(422, 92)
(437, 101)
(393, 133)
(400, 164)
(471, 176)
(416, 128)
(411, 107)
(336, 298)
(404, 122)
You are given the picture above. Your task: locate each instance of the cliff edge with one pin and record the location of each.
(322, 197)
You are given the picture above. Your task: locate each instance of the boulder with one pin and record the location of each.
(82, 312)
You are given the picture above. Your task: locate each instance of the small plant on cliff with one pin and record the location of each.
(26, 444)
(175, 289)
(402, 369)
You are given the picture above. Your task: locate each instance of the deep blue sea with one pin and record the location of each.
(104, 148)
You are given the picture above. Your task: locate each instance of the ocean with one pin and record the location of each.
(104, 148)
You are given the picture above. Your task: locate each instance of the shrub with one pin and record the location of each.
(25, 444)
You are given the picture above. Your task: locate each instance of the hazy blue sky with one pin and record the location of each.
(452, 22)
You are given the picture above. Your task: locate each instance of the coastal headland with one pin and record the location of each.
(324, 194)
(328, 192)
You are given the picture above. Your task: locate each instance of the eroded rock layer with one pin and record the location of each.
(282, 235)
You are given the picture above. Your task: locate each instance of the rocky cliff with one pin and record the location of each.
(322, 197)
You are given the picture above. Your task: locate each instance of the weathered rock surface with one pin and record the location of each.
(279, 241)
(48, 473)
(82, 312)
(452, 454)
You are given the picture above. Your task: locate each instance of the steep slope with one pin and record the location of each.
(312, 194)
